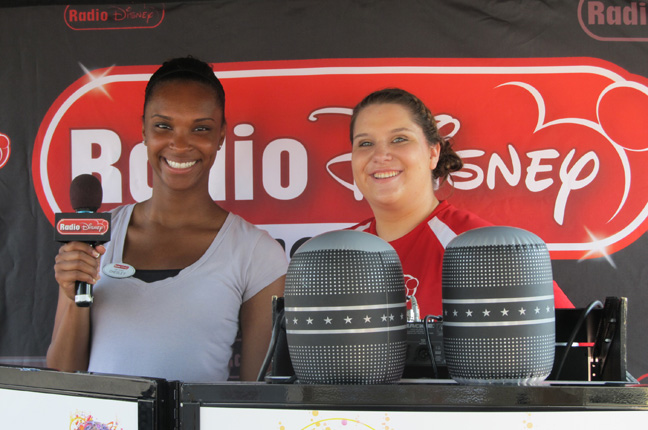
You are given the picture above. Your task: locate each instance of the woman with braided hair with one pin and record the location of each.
(397, 158)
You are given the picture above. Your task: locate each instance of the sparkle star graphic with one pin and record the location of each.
(486, 313)
(600, 249)
(522, 311)
(309, 320)
(505, 312)
(367, 319)
(347, 320)
(328, 320)
(468, 313)
(94, 78)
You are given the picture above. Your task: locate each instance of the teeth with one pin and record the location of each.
(383, 175)
(176, 165)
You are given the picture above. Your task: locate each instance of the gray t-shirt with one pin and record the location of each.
(180, 328)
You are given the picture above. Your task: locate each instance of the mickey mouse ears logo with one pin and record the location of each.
(5, 149)
(564, 149)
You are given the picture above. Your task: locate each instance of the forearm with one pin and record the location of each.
(256, 324)
(70, 347)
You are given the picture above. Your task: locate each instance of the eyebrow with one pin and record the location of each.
(168, 118)
(396, 130)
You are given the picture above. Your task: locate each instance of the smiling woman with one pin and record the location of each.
(199, 270)
(398, 158)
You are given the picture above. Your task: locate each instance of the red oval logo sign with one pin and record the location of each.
(554, 146)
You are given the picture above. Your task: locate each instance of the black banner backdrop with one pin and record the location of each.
(546, 100)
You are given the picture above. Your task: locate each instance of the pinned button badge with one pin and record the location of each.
(119, 270)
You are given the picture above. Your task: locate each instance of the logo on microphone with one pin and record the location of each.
(82, 226)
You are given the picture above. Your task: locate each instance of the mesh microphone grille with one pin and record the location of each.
(86, 193)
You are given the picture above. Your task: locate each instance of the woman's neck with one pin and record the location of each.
(392, 224)
(177, 209)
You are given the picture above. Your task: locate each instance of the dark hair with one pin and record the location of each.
(449, 161)
(186, 69)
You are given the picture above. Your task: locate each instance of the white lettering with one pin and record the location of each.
(81, 143)
(570, 181)
(535, 167)
(69, 227)
(512, 177)
(297, 169)
(138, 168)
(217, 175)
(107, 144)
(469, 171)
(243, 164)
(569, 177)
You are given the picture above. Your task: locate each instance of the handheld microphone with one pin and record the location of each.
(84, 225)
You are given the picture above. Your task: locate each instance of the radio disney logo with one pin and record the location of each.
(113, 17)
(564, 136)
(86, 226)
(614, 21)
(5, 149)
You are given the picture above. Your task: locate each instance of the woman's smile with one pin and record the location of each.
(386, 174)
(180, 165)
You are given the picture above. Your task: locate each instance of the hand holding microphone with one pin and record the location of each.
(77, 262)
(87, 226)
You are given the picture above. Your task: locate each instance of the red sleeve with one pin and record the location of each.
(560, 299)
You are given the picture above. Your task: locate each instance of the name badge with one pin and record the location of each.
(119, 270)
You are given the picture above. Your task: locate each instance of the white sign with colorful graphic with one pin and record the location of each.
(282, 419)
(27, 409)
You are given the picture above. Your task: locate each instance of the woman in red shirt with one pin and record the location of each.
(398, 160)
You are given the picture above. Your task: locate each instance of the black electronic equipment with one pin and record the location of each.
(417, 360)
(591, 343)
(598, 349)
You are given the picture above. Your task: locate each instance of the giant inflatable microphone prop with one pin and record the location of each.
(345, 310)
(84, 225)
(498, 307)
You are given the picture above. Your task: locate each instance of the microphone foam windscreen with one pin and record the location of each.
(86, 193)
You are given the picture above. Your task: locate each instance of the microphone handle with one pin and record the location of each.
(83, 297)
